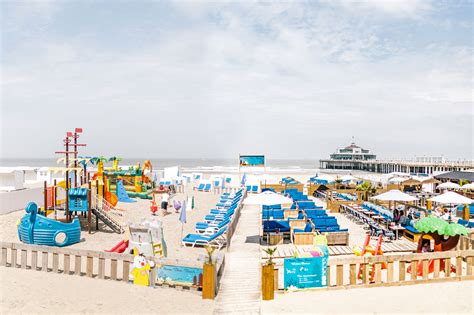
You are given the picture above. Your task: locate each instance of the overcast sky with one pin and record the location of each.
(200, 80)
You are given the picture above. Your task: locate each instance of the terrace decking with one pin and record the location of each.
(240, 285)
(287, 250)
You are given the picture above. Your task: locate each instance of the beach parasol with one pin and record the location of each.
(468, 186)
(411, 182)
(448, 185)
(397, 180)
(431, 180)
(267, 198)
(450, 197)
(394, 195)
(182, 217)
(347, 178)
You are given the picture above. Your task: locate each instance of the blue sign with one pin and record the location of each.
(307, 272)
(252, 160)
(181, 275)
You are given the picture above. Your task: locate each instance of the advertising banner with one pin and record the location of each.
(252, 160)
(307, 272)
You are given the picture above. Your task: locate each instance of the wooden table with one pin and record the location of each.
(275, 238)
(396, 228)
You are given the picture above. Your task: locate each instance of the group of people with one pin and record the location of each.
(400, 217)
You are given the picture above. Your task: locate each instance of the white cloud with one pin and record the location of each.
(396, 8)
(284, 74)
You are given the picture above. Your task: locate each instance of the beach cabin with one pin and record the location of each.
(171, 172)
(44, 174)
(29, 173)
(197, 176)
(11, 179)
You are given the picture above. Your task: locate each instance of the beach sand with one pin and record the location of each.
(434, 298)
(35, 292)
(26, 291)
(134, 212)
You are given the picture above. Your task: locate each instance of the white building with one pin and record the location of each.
(11, 179)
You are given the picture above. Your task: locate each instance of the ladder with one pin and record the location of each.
(104, 211)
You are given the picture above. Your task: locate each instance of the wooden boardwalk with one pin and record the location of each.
(288, 250)
(240, 285)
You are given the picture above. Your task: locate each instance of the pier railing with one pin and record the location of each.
(90, 263)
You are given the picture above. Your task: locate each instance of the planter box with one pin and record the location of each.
(268, 282)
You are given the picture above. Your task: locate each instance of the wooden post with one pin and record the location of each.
(55, 198)
(89, 211)
(209, 282)
(268, 285)
(97, 195)
(68, 215)
(45, 186)
(466, 213)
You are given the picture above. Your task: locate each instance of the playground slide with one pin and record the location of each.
(119, 248)
(122, 193)
(111, 198)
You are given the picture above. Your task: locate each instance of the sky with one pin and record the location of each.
(194, 79)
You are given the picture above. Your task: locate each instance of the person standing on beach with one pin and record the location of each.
(164, 202)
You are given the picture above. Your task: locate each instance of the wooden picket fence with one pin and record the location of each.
(389, 270)
(88, 263)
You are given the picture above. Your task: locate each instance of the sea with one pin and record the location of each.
(192, 164)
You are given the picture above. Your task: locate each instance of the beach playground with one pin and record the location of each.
(250, 241)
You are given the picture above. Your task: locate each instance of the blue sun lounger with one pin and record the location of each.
(203, 227)
(216, 240)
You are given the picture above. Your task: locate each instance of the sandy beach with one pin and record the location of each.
(94, 296)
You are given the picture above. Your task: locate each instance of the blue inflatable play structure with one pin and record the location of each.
(122, 193)
(38, 229)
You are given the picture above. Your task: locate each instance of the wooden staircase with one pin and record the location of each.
(105, 212)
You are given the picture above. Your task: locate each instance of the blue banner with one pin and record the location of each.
(252, 160)
(308, 272)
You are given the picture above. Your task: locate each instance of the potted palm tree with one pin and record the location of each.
(209, 275)
(367, 188)
(268, 279)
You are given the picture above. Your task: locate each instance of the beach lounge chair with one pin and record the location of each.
(216, 239)
(204, 227)
(218, 217)
(207, 188)
(200, 187)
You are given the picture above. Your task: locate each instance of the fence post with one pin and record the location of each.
(209, 282)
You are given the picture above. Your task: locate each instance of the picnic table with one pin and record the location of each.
(396, 228)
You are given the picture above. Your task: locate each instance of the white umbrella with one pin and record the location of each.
(397, 180)
(267, 198)
(450, 197)
(448, 185)
(327, 178)
(468, 186)
(347, 178)
(394, 195)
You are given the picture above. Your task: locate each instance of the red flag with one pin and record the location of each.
(78, 130)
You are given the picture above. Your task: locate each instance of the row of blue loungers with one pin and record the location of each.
(213, 229)
(316, 217)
